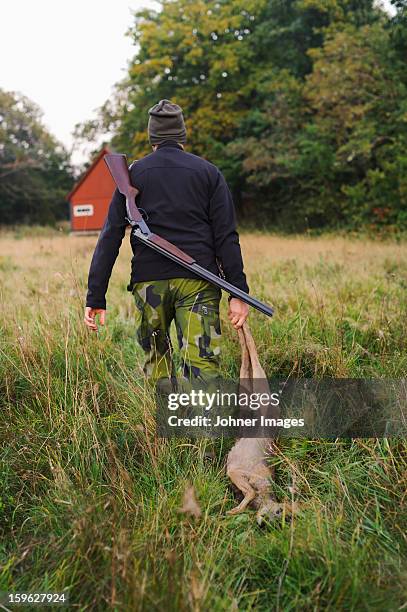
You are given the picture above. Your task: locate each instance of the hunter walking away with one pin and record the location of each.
(186, 201)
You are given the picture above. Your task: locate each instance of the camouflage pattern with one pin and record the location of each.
(194, 306)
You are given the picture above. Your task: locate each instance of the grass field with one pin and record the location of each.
(89, 497)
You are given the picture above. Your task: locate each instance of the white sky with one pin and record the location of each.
(66, 55)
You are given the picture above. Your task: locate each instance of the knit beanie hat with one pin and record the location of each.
(166, 122)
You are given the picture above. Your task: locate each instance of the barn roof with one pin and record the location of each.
(84, 176)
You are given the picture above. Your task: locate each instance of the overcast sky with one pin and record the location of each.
(66, 56)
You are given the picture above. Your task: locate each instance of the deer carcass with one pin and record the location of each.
(247, 465)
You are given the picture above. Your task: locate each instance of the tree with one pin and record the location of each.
(358, 106)
(330, 149)
(34, 169)
(298, 102)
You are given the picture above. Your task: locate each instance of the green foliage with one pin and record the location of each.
(302, 103)
(331, 147)
(35, 173)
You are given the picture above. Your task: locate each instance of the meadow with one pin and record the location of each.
(90, 497)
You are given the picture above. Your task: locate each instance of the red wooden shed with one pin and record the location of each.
(90, 198)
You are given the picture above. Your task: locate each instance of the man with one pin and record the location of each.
(186, 200)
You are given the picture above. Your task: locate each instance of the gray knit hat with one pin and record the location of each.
(166, 122)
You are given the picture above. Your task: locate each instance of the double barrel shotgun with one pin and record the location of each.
(117, 164)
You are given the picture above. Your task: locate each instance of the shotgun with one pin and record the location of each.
(119, 170)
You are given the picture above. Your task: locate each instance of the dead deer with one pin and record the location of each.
(247, 465)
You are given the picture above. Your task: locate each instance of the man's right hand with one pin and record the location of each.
(90, 317)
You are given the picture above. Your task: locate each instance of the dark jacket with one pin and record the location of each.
(184, 199)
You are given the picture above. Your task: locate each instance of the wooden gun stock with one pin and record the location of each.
(117, 164)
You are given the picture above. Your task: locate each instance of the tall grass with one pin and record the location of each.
(89, 496)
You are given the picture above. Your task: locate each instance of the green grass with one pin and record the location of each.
(89, 496)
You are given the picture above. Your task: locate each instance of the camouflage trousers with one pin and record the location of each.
(194, 307)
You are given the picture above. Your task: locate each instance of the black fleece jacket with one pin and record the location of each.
(184, 199)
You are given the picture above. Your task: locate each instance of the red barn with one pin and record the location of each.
(90, 198)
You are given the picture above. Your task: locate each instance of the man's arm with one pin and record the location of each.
(227, 246)
(106, 251)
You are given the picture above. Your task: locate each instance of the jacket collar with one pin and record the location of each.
(169, 143)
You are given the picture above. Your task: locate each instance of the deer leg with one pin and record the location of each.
(241, 482)
(257, 370)
(245, 370)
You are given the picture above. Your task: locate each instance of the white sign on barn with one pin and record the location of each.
(83, 210)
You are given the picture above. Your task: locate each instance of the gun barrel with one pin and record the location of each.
(231, 289)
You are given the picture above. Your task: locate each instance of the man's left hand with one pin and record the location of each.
(238, 312)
